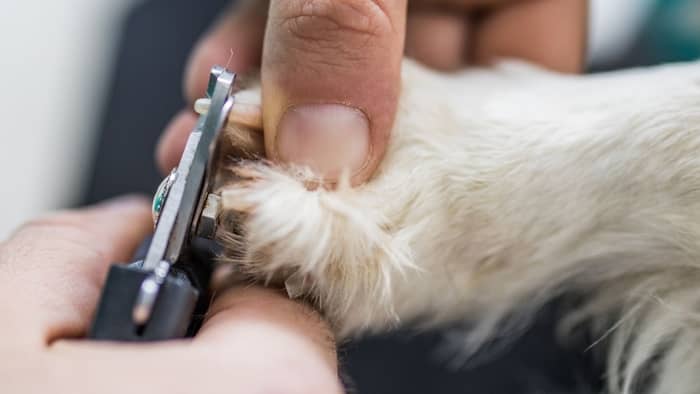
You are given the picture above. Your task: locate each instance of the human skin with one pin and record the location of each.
(51, 272)
(331, 68)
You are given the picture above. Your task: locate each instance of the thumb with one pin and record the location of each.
(331, 80)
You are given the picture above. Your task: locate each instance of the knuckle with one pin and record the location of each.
(54, 247)
(62, 232)
(336, 26)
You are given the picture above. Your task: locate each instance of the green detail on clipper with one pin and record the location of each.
(158, 202)
(161, 196)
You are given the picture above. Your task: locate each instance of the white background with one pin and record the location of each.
(55, 58)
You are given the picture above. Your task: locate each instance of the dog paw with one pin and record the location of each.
(330, 246)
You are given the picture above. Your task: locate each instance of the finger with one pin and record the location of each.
(235, 41)
(251, 308)
(172, 141)
(56, 265)
(110, 231)
(438, 38)
(331, 80)
(548, 32)
(254, 340)
(250, 360)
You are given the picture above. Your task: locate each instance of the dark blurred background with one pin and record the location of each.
(110, 79)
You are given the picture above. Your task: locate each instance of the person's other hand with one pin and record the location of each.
(331, 68)
(51, 271)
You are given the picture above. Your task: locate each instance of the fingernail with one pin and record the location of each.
(329, 138)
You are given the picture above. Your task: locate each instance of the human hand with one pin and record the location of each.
(331, 68)
(51, 272)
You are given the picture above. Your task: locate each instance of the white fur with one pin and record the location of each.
(500, 189)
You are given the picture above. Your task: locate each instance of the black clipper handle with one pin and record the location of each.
(170, 317)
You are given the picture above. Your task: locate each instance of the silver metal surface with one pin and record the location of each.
(177, 216)
(148, 293)
(208, 219)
